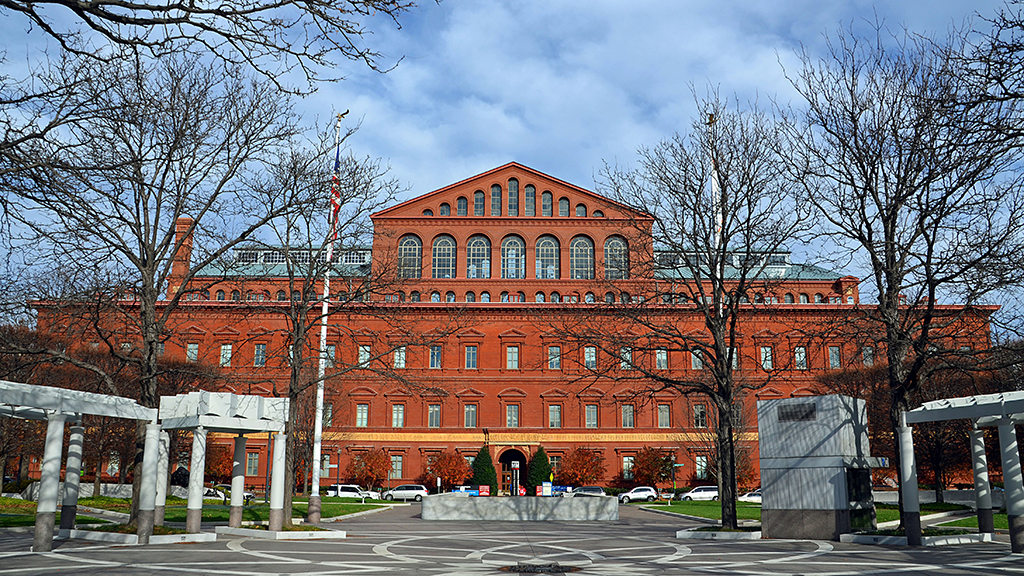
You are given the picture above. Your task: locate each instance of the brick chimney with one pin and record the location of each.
(183, 256)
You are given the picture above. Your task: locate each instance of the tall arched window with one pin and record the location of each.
(461, 206)
(444, 209)
(496, 200)
(410, 257)
(478, 257)
(545, 203)
(220, 294)
(530, 207)
(581, 258)
(616, 259)
(513, 258)
(443, 265)
(548, 265)
(563, 207)
(281, 296)
(478, 203)
(581, 211)
(513, 197)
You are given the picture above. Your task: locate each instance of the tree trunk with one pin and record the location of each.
(726, 466)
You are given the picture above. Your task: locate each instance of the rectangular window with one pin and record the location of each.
(469, 415)
(626, 357)
(398, 416)
(328, 415)
(700, 467)
(735, 358)
(869, 356)
(800, 358)
(767, 362)
(696, 360)
(435, 356)
(396, 467)
(192, 352)
(554, 357)
(512, 416)
(556, 463)
(330, 350)
(325, 465)
(400, 357)
(700, 416)
(628, 412)
(252, 464)
(661, 359)
(225, 354)
(590, 358)
(590, 415)
(627, 467)
(835, 360)
(159, 348)
(664, 416)
(364, 354)
(259, 356)
(362, 415)
(555, 416)
(434, 416)
(471, 357)
(512, 357)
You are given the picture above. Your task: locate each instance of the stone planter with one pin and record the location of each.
(282, 535)
(118, 538)
(925, 540)
(695, 534)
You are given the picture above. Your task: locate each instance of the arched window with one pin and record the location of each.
(598, 214)
(401, 296)
(540, 297)
(513, 258)
(296, 295)
(625, 298)
(548, 265)
(470, 297)
(616, 259)
(478, 203)
(555, 297)
(236, 295)
(485, 296)
(496, 200)
(563, 207)
(220, 294)
(804, 299)
(788, 298)
(281, 296)
(530, 207)
(513, 197)
(819, 299)
(545, 203)
(443, 265)
(478, 257)
(435, 296)
(581, 258)
(609, 298)
(410, 257)
(449, 296)
(520, 297)
(461, 206)
(504, 296)
(581, 211)
(444, 210)
(428, 212)
(414, 296)
(589, 298)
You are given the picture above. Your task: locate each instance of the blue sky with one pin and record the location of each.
(565, 86)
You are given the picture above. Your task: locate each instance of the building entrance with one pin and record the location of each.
(512, 476)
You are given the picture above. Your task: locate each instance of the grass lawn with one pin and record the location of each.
(713, 510)
(260, 513)
(999, 520)
(891, 512)
(18, 512)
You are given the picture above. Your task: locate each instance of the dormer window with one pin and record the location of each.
(248, 256)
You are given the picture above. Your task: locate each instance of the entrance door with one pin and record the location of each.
(508, 476)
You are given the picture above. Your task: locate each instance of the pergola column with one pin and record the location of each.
(982, 490)
(147, 487)
(237, 483)
(908, 484)
(277, 484)
(163, 455)
(1012, 483)
(73, 469)
(49, 483)
(194, 511)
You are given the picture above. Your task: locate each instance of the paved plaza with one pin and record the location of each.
(399, 542)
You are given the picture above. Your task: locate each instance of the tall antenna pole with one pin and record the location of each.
(318, 416)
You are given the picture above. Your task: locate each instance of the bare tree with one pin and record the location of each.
(721, 214)
(914, 184)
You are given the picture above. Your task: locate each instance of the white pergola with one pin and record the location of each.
(1003, 411)
(57, 406)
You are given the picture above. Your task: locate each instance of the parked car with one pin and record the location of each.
(351, 491)
(586, 492)
(754, 497)
(639, 493)
(211, 493)
(246, 495)
(407, 492)
(701, 493)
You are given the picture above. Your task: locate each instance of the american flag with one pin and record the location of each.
(336, 192)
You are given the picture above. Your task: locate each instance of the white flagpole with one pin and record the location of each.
(318, 416)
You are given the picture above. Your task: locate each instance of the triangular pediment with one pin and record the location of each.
(258, 331)
(513, 333)
(362, 391)
(591, 393)
(226, 331)
(769, 392)
(554, 393)
(469, 393)
(194, 330)
(501, 176)
(471, 333)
